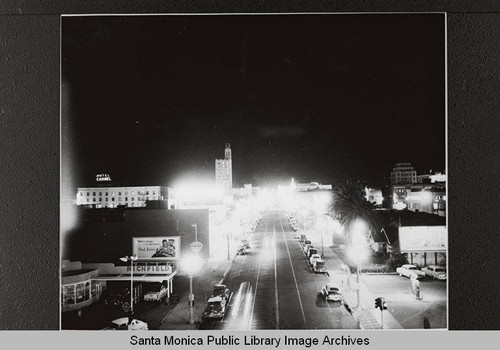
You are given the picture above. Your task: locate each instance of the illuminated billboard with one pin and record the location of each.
(423, 239)
(157, 248)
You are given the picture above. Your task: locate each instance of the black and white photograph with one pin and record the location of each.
(254, 172)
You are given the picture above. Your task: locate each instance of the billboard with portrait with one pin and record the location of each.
(157, 248)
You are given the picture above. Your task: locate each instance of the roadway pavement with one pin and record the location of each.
(274, 287)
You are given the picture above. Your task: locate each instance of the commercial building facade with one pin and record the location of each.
(402, 174)
(112, 197)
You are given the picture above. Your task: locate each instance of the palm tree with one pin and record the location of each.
(349, 205)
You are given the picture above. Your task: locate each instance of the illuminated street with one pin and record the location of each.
(283, 292)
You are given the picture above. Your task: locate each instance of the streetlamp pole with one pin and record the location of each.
(195, 232)
(131, 259)
(191, 299)
(358, 289)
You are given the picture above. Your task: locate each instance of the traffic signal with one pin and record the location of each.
(380, 304)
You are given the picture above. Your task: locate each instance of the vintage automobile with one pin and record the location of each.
(245, 243)
(156, 292)
(319, 266)
(241, 250)
(220, 290)
(123, 324)
(314, 257)
(409, 270)
(215, 309)
(332, 292)
(435, 271)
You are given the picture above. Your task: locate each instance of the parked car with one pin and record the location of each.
(319, 266)
(311, 251)
(332, 292)
(216, 308)
(307, 247)
(314, 257)
(123, 324)
(303, 238)
(156, 293)
(245, 243)
(435, 271)
(220, 290)
(408, 270)
(241, 251)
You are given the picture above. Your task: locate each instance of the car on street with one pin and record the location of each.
(307, 246)
(314, 257)
(245, 243)
(319, 266)
(220, 290)
(216, 308)
(303, 238)
(241, 251)
(123, 324)
(332, 292)
(311, 251)
(408, 270)
(156, 292)
(435, 271)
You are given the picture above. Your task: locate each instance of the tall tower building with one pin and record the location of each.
(224, 171)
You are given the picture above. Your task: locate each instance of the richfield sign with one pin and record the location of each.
(159, 269)
(157, 248)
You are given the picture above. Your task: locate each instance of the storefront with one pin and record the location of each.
(83, 284)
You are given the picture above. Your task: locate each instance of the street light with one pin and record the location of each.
(358, 252)
(191, 264)
(195, 232)
(131, 258)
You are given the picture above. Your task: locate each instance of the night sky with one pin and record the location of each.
(149, 99)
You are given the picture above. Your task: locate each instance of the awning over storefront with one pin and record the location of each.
(136, 277)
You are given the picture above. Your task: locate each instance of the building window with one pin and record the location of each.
(147, 192)
(113, 199)
(100, 193)
(106, 193)
(93, 199)
(119, 199)
(88, 193)
(93, 193)
(154, 193)
(106, 199)
(132, 199)
(126, 199)
(119, 193)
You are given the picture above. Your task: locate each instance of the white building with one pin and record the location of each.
(224, 171)
(402, 174)
(111, 197)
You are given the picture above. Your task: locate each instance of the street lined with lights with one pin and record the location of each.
(279, 284)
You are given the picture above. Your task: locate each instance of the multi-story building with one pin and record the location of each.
(224, 171)
(112, 197)
(403, 174)
(374, 195)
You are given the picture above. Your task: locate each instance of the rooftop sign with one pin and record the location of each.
(102, 177)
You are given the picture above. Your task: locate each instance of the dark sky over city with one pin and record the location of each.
(149, 99)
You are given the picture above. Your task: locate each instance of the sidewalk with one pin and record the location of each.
(178, 318)
(366, 315)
